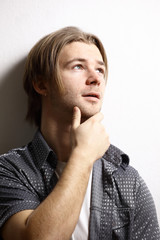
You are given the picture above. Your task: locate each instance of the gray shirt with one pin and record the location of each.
(121, 204)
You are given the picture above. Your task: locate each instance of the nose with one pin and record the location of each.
(93, 78)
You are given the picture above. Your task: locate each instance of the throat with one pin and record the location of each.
(58, 139)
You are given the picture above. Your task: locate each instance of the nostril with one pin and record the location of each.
(93, 81)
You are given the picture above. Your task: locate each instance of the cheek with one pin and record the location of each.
(71, 83)
(72, 91)
(71, 88)
(103, 90)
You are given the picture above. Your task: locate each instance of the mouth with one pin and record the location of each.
(92, 95)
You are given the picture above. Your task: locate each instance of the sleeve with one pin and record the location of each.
(145, 219)
(15, 195)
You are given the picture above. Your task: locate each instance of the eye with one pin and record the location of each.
(78, 67)
(100, 70)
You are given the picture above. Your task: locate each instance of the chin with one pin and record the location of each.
(87, 114)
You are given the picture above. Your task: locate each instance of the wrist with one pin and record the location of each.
(79, 158)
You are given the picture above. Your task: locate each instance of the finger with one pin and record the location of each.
(98, 117)
(76, 118)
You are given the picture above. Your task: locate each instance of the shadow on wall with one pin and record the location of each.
(14, 130)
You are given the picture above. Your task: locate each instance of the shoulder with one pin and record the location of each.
(19, 165)
(15, 158)
(130, 192)
(125, 177)
(116, 157)
(119, 163)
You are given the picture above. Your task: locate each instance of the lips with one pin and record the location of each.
(92, 94)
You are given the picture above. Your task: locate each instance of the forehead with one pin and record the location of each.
(80, 50)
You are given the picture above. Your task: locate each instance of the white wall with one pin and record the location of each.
(130, 31)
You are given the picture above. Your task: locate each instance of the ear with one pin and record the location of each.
(40, 87)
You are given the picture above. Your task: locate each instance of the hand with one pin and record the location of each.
(90, 137)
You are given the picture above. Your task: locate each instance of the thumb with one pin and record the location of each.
(76, 118)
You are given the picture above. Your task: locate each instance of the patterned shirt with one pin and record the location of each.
(121, 205)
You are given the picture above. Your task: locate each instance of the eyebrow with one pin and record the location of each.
(82, 60)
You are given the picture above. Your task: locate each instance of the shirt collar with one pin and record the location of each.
(116, 158)
(42, 151)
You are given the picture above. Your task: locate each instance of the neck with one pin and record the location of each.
(56, 132)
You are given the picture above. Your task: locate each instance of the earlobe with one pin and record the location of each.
(40, 87)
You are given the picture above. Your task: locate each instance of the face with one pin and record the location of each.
(83, 76)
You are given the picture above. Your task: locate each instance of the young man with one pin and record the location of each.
(69, 182)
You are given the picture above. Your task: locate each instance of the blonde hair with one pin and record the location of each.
(43, 63)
